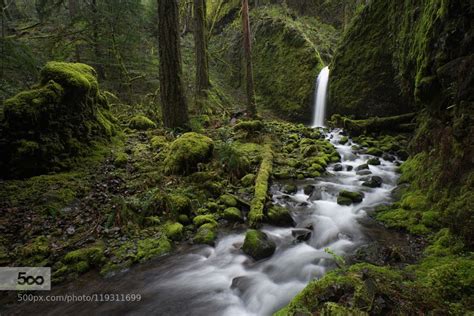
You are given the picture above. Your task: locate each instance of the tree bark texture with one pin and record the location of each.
(173, 101)
(251, 107)
(200, 44)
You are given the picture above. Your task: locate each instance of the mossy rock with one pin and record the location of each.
(373, 161)
(174, 231)
(81, 260)
(45, 128)
(186, 152)
(279, 216)
(362, 167)
(206, 234)
(228, 200)
(248, 180)
(232, 214)
(374, 151)
(152, 247)
(343, 140)
(142, 123)
(178, 204)
(290, 189)
(204, 219)
(349, 197)
(257, 245)
(373, 182)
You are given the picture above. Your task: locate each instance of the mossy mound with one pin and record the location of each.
(187, 151)
(206, 234)
(257, 245)
(44, 128)
(232, 214)
(141, 122)
(174, 231)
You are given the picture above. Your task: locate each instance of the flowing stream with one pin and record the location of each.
(221, 280)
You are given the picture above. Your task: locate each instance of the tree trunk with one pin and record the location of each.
(73, 10)
(95, 36)
(200, 44)
(251, 108)
(173, 101)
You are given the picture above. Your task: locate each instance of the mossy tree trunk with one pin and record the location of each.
(200, 43)
(173, 101)
(251, 107)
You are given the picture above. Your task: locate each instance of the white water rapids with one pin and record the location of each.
(221, 280)
(320, 95)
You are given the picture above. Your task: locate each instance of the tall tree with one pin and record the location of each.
(200, 44)
(251, 107)
(173, 101)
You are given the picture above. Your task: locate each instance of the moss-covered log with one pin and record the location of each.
(261, 187)
(399, 123)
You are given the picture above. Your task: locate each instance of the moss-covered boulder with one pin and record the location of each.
(141, 122)
(186, 152)
(174, 231)
(206, 234)
(257, 245)
(42, 129)
(279, 216)
(204, 219)
(232, 214)
(349, 197)
(228, 200)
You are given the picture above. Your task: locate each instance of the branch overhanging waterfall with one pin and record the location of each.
(320, 98)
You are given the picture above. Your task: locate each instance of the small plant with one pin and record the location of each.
(339, 260)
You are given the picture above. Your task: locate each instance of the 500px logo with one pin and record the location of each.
(25, 278)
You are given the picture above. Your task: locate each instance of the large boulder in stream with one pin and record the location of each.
(257, 245)
(279, 216)
(348, 197)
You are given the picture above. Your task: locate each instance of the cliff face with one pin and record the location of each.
(401, 55)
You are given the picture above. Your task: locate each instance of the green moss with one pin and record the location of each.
(152, 247)
(258, 245)
(174, 231)
(206, 234)
(82, 260)
(121, 160)
(232, 214)
(348, 197)
(50, 125)
(141, 122)
(178, 204)
(343, 140)
(373, 162)
(250, 126)
(374, 151)
(36, 252)
(261, 187)
(187, 151)
(248, 180)
(278, 215)
(158, 142)
(203, 219)
(228, 200)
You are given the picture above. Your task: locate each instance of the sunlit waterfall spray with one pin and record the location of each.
(320, 97)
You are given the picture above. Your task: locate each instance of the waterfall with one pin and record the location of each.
(320, 98)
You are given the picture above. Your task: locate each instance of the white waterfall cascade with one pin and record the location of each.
(320, 98)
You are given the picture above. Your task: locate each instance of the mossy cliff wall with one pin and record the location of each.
(427, 47)
(43, 128)
(288, 51)
(400, 54)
